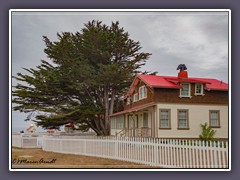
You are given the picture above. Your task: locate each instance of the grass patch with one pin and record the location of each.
(67, 160)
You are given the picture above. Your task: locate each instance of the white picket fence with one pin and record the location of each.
(26, 141)
(163, 153)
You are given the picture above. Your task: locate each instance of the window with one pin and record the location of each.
(142, 92)
(185, 90)
(113, 122)
(132, 121)
(145, 119)
(214, 118)
(198, 89)
(164, 115)
(183, 119)
(135, 97)
(119, 122)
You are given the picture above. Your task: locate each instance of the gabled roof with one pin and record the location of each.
(155, 81)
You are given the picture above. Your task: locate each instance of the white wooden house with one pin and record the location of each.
(172, 107)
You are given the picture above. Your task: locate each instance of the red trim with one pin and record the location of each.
(137, 108)
(176, 87)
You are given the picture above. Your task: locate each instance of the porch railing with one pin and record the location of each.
(122, 132)
(135, 132)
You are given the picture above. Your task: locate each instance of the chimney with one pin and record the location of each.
(182, 73)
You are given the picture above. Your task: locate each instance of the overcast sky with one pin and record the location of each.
(197, 39)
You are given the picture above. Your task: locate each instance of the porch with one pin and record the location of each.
(134, 122)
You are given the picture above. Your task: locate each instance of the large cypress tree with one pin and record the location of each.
(85, 76)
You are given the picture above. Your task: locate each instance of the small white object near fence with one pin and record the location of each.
(163, 153)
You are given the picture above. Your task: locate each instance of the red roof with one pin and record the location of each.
(171, 82)
(157, 81)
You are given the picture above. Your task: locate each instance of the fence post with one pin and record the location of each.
(171, 151)
(215, 154)
(211, 154)
(168, 152)
(155, 152)
(219, 155)
(116, 147)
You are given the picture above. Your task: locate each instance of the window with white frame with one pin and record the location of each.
(214, 118)
(113, 122)
(185, 90)
(135, 97)
(119, 122)
(142, 92)
(183, 119)
(198, 89)
(164, 115)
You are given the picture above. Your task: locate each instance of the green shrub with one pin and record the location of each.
(207, 133)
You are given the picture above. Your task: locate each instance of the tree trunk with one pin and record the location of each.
(112, 103)
(106, 102)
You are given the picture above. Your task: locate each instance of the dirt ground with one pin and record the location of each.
(37, 158)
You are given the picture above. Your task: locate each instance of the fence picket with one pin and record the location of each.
(215, 154)
(180, 155)
(187, 152)
(177, 156)
(203, 156)
(220, 155)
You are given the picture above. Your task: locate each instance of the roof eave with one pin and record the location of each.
(133, 110)
(167, 87)
(216, 89)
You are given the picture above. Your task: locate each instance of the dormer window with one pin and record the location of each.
(199, 89)
(185, 90)
(142, 92)
(135, 97)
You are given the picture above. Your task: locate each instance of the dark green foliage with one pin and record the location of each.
(207, 133)
(84, 78)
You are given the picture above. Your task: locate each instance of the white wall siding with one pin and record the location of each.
(198, 114)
